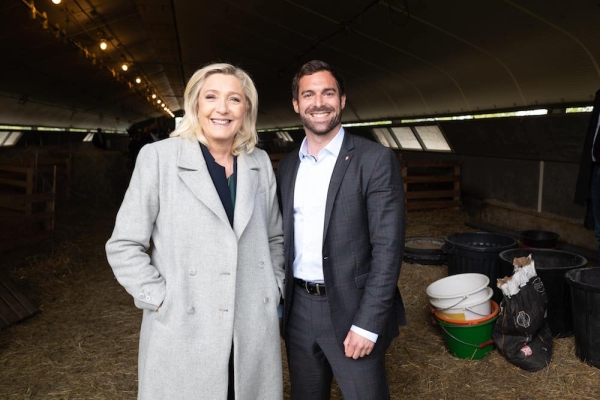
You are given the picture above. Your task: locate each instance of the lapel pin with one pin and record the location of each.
(347, 157)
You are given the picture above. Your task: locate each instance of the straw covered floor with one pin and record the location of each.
(83, 342)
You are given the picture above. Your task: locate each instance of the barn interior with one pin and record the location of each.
(488, 106)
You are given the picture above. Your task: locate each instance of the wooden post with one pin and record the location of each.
(49, 223)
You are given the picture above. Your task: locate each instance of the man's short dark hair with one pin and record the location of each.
(312, 67)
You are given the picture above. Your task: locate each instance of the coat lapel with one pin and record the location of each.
(194, 173)
(247, 182)
(288, 186)
(341, 166)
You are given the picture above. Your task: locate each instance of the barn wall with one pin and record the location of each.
(500, 182)
(99, 176)
(501, 164)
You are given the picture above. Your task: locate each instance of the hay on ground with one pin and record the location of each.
(83, 343)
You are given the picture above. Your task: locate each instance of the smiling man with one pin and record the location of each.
(342, 201)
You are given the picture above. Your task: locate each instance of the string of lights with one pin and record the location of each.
(138, 84)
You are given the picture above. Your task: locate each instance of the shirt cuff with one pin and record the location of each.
(364, 333)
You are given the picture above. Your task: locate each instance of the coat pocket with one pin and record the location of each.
(361, 280)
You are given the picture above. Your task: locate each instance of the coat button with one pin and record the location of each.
(142, 296)
(190, 310)
(148, 298)
(192, 272)
(265, 300)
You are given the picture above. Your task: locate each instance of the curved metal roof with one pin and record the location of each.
(400, 58)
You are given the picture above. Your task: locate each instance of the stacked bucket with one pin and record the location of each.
(463, 308)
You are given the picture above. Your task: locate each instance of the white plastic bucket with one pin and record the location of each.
(457, 290)
(472, 309)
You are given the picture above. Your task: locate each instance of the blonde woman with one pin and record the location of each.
(209, 291)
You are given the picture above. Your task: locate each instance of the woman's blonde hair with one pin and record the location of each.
(188, 128)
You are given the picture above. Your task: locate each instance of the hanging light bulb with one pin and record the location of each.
(103, 44)
(138, 80)
(153, 96)
(158, 101)
(125, 67)
(56, 1)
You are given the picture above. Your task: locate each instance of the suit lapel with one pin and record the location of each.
(341, 166)
(247, 183)
(194, 173)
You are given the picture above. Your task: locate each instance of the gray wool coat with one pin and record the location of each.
(215, 285)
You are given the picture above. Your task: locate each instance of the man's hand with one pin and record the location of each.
(357, 346)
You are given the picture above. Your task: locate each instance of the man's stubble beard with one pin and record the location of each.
(314, 128)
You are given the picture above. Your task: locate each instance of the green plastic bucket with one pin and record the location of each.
(472, 342)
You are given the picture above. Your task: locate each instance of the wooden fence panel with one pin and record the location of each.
(431, 184)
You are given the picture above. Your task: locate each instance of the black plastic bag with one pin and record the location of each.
(521, 333)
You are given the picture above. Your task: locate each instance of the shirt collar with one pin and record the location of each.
(333, 147)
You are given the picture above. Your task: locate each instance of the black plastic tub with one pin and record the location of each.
(539, 239)
(585, 301)
(477, 252)
(551, 266)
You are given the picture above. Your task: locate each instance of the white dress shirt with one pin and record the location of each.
(310, 197)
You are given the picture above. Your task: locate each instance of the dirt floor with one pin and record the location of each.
(83, 342)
